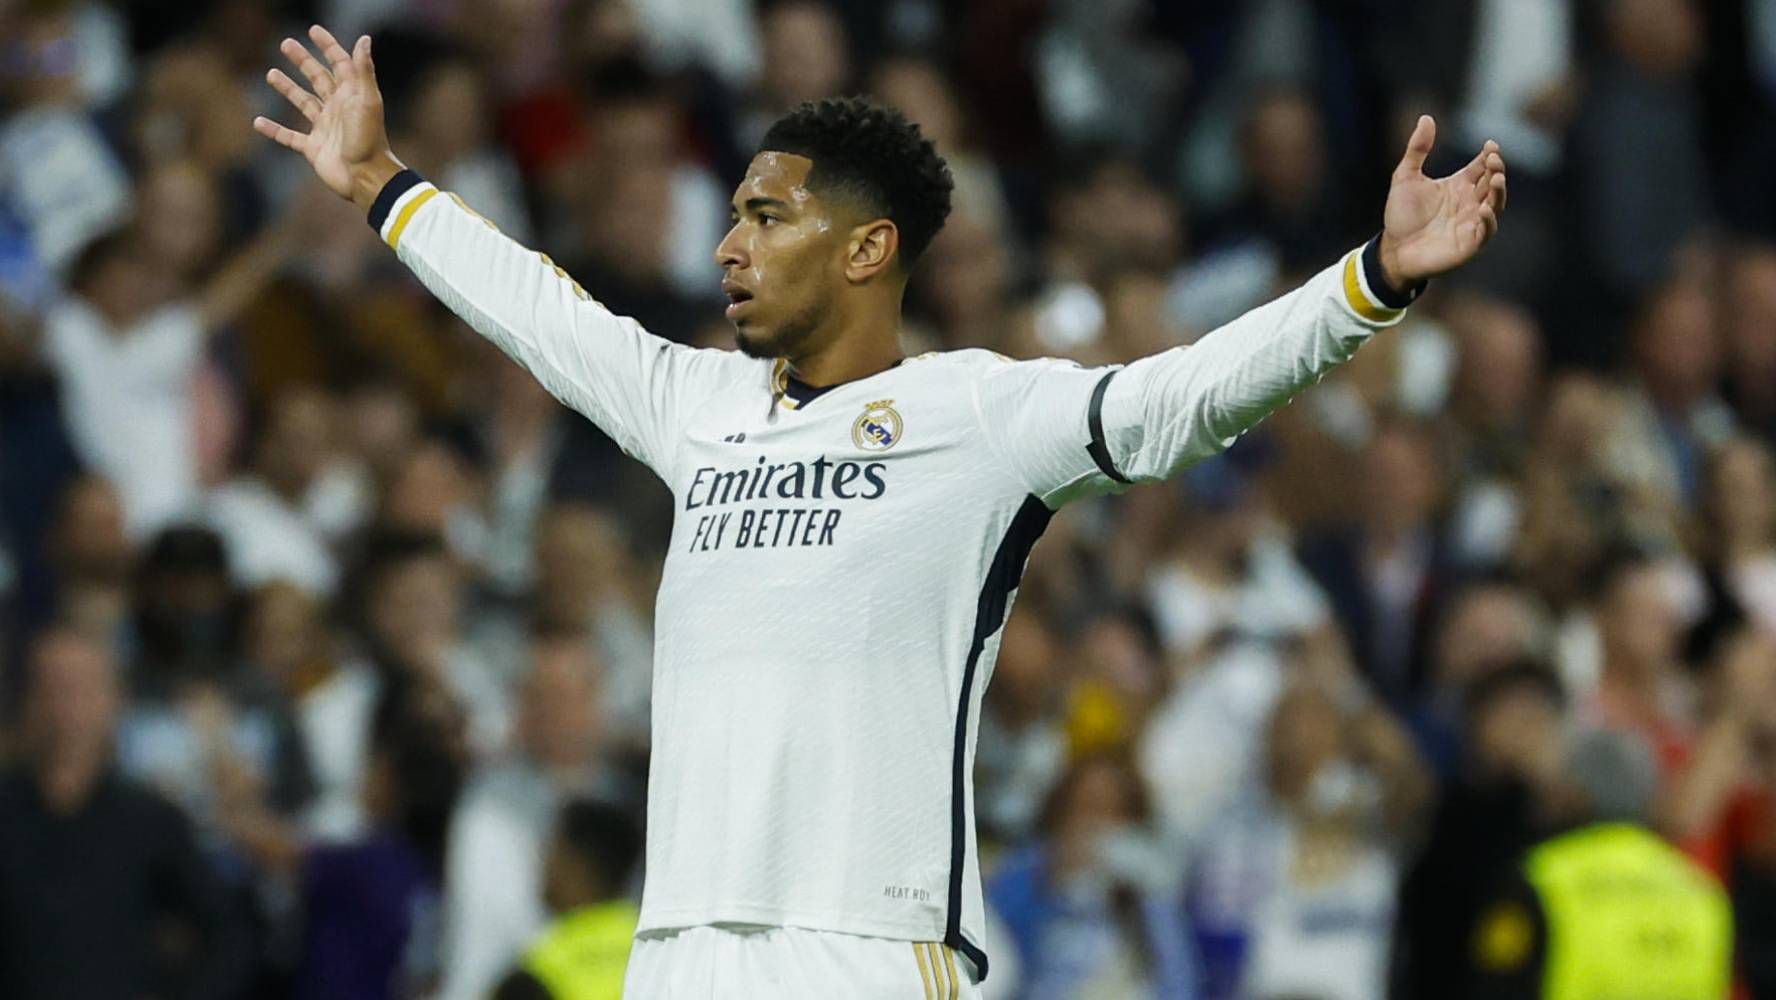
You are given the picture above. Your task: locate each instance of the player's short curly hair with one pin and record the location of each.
(873, 154)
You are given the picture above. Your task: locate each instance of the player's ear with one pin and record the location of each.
(871, 249)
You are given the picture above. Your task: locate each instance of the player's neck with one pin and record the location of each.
(865, 343)
(847, 361)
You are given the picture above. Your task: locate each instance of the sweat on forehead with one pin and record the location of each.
(796, 180)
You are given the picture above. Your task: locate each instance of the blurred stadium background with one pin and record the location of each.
(284, 542)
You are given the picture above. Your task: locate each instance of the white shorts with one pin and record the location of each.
(733, 962)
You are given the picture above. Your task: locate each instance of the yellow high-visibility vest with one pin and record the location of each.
(1630, 917)
(582, 955)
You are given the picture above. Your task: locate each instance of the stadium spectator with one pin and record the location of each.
(1577, 490)
(1677, 365)
(804, 54)
(1090, 906)
(589, 864)
(919, 88)
(64, 185)
(1286, 167)
(1101, 76)
(371, 904)
(1715, 800)
(1494, 397)
(498, 843)
(1630, 222)
(1486, 625)
(1505, 796)
(181, 607)
(635, 172)
(87, 855)
(972, 276)
(521, 434)
(90, 559)
(1118, 676)
(1385, 573)
(267, 518)
(1642, 688)
(1606, 906)
(1223, 572)
(1749, 331)
(129, 348)
(443, 118)
(1021, 754)
(382, 426)
(1351, 791)
(127, 364)
(589, 583)
(208, 742)
(1739, 512)
(287, 645)
(412, 600)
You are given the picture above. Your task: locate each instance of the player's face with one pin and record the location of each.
(783, 260)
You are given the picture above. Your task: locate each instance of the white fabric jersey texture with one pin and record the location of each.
(841, 565)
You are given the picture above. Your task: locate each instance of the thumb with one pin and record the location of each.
(1424, 136)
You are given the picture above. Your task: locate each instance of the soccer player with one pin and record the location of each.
(851, 523)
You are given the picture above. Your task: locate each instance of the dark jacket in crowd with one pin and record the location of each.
(85, 899)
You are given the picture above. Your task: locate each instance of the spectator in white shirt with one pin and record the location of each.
(264, 516)
(128, 345)
(126, 364)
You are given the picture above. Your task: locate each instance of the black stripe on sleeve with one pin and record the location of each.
(1002, 578)
(1389, 297)
(391, 192)
(1099, 451)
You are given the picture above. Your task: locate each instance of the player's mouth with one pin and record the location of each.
(738, 296)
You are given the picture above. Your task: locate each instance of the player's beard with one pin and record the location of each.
(787, 341)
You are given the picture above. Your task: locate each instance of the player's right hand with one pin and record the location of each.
(346, 144)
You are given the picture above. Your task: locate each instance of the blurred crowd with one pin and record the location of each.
(318, 615)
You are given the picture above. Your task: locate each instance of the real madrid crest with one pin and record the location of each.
(878, 429)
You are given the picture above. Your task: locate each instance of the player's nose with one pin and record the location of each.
(729, 254)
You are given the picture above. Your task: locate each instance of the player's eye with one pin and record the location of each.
(766, 220)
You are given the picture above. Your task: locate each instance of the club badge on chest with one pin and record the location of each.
(878, 428)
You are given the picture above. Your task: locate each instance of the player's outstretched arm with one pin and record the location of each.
(631, 384)
(1164, 412)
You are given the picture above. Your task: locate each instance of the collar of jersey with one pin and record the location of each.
(796, 394)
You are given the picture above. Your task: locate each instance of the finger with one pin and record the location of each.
(330, 47)
(319, 79)
(361, 58)
(1498, 192)
(1489, 220)
(305, 102)
(1424, 136)
(279, 134)
(1481, 162)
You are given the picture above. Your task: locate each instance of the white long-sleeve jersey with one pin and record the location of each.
(842, 562)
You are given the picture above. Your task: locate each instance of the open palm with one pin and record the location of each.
(342, 104)
(1435, 225)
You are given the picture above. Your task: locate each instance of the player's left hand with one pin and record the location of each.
(1434, 225)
